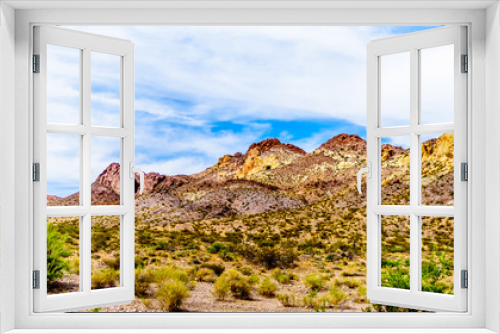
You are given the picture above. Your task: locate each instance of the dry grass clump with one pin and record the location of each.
(267, 287)
(171, 294)
(104, 278)
(287, 299)
(238, 285)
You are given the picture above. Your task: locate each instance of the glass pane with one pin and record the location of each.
(437, 169)
(105, 91)
(395, 90)
(395, 246)
(437, 84)
(105, 252)
(63, 255)
(437, 254)
(105, 170)
(63, 85)
(63, 169)
(395, 170)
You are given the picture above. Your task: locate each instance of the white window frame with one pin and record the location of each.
(413, 44)
(483, 310)
(86, 44)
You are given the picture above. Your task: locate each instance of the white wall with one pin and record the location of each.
(7, 159)
(492, 158)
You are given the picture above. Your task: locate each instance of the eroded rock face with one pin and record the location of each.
(282, 175)
(110, 177)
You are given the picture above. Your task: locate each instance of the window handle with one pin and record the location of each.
(368, 171)
(133, 171)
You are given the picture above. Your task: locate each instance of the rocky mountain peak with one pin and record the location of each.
(345, 141)
(110, 177)
(268, 144)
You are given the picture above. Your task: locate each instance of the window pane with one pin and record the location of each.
(437, 169)
(437, 84)
(395, 246)
(105, 252)
(395, 90)
(437, 254)
(63, 169)
(63, 85)
(105, 170)
(63, 255)
(105, 92)
(395, 170)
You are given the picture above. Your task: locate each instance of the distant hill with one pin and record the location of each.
(274, 176)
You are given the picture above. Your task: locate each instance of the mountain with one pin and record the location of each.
(275, 176)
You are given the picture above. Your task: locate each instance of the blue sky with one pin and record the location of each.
(202, 92)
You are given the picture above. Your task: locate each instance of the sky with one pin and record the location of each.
(203, 92)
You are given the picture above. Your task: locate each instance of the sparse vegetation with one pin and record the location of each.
(303, 249)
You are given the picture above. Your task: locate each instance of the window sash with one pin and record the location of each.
(414, 298)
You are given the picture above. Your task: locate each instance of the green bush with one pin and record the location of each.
(104, 278)
(218, 268)
(171, 294)
(238, 283)
(221, 288)
(267, 287)
(172, 274)
(205, 275)
(56, 252)
(315, 281)
(284, 279)
(336, 296)
(216, 248)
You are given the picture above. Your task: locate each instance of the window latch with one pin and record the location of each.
(368, 171)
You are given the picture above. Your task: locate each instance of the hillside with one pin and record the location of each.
(276, 207)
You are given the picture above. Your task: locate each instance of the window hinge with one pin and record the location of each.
(36, 63)
(465, 64)
(36, 279)
(36, 172)
(464, 171)
(464, 279)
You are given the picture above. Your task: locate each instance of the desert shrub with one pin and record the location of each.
(162, 245)
(336, 296)
(216, 248)
(395, 275)
(143, 280)
(287, 300)
(56, 252)
(267, 287)
(171, 274)
(315, 281)
(205, 275)
(246, 271)
(253, 279)
(272, 257)
(221, 288)
(104, 278)
(284, 279)
(171, 294)
(218, 268)
(238, 283)
(113, 262)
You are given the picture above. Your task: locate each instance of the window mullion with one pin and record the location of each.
(414, 172)
(85, 245)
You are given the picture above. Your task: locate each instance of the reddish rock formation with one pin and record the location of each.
(267, 144)
(346, 142)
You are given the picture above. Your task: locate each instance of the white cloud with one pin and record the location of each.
(176, 166)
